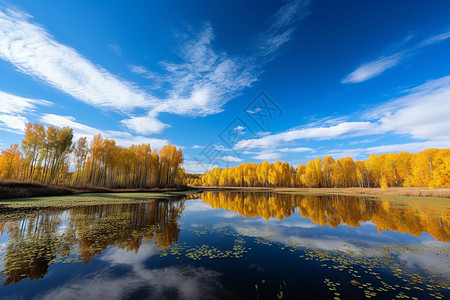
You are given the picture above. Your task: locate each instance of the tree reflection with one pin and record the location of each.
(36, 241)
(412, 217)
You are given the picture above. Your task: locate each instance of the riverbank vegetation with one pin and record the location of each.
(429, 168)
(49, 156)
(11, 189)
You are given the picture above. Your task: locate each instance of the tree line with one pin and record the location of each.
(428, 168)
(49, 156)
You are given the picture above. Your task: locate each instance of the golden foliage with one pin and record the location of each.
(430, 168)
(47, 157)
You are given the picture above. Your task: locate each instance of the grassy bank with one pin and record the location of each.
(86, 199)
(10, 190)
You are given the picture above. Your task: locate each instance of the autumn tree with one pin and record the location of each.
(9, 162)
(430, 167)
(31, 145)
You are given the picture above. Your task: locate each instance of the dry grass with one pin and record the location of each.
(11, 189)
(24, 190)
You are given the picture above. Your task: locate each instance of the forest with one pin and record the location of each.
(50, 156)
(428, 168)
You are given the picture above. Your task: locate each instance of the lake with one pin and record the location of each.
(229, 245)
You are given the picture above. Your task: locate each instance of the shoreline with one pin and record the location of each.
(22, 190)
(16, 190)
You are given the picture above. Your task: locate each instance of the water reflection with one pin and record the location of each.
(414, 217)
(222, 244)
(39, 240)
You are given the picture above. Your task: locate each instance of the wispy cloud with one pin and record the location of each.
(315, 133)
(436, 38)
(410, 147)
(374, 68)
(208, 78)
(274, 155)
(13, 123)
(143, 71)
(34, 51)
(116, 49)
(200, 85)
(12, 111)
(270, 156)
(192, 166)
(140, 70)
(231, 159)
(296, 149)
(282, 28)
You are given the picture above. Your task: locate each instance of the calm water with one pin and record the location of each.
(229, 245)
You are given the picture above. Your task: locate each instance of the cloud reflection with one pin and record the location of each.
(184, 282)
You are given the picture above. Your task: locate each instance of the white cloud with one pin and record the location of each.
(418, 261)
(239, 129)
(269, 156)
(374, 68)
(12, 109)
(437, 38)
(282, 28)
(118, 256)
(138, 69)
(141, 70)
(69, 121)
(409, 147)
(33, 51)
(422, 114)
(12, 104)
(316, 133)
(80, 130)
(196, 206)
(355, 153)
(197, 147)
(197, 167)
(297, 149)
(12, 123)
(231, 159)
(144, 125)
(229, 214)
(290, 13)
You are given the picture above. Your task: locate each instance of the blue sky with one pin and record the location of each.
(231, 81)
